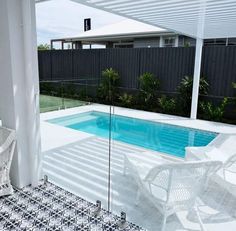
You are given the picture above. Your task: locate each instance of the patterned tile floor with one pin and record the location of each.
(49, 207)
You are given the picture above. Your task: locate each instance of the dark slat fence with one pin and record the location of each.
(170, 65)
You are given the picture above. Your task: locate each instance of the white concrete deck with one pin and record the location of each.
(78, 162)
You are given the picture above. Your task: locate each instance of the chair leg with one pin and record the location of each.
(199, 219)
(163, 227)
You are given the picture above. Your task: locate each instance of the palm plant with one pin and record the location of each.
(185, 92)
(148, 86)
(108, 89)
(126, 99)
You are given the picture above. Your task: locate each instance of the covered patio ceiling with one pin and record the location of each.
(196, 18)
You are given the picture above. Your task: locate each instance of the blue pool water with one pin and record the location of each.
(161, 137)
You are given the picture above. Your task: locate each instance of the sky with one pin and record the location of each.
(64, 18)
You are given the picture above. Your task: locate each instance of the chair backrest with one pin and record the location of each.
(6, 138)
(182, 182)
(224, 142)
(7, 145)
(231, 161)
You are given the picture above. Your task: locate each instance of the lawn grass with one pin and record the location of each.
(52, 103)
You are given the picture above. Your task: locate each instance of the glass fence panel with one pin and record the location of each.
(50, 103)
(63, 94)
(76, 147)
(50, 96)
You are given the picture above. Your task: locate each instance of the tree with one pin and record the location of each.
(43, 47)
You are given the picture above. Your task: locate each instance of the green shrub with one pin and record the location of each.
(68, 90)
(187, 44)
(234, 98)
(148, 86)
(126, 99)
(47, 88)
(82, 94)
(212, 112)
(43, 47)
(185, 92)
(234, 86)
(167, 105)
(108, 89)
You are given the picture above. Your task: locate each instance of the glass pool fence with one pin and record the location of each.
(63, 94)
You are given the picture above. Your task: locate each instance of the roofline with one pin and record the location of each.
(117, 36)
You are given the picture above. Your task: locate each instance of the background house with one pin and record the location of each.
(133, 34)
(125, 34)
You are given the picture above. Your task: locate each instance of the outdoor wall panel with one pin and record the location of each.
(125, 61)
(170, 65)
(61, 64)
(219, 67)
(86, 64)
(44, 59)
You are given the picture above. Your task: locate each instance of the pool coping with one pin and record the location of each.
(204, 125)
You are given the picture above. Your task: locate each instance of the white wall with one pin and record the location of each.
(148, 42)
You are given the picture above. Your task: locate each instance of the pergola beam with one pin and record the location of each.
(196, 78)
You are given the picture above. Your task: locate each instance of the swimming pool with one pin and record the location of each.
(160, 137)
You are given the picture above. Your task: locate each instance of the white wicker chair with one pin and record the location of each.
(226, 176)
(230, 166)
(7, 147)
(173, 187)
(223, 148)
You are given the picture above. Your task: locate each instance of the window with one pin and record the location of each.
(168, 41)
(232, 42)
(215, 42)
(123, 45)
(185, 41)
(220, 42)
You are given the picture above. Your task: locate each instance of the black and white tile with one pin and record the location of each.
(49, 207)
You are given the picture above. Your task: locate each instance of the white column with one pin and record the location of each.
(19, 86)
(196, 78)
(161, 41)
(177, 41)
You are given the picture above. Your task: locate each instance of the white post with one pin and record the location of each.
(177, 41)
(161, 41)
(196, 78)
(19, 86)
